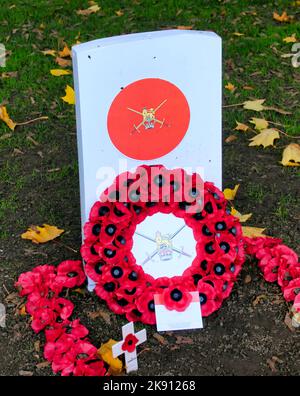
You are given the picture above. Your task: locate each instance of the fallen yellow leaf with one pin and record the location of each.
(259, 123)
(248, 88)
(238, 34)
(70, 95)
(253, 232)
(49, 52)
(22, 311)
(290, 39)
(60, 72)
(66, 52)
(230, 87)
(5, 118)
(291, 155)
(241, 127)
(119, 13)
(242, 218)
(230, 194)
(256, 105)
(91, 10)
(43, 234)
(105, 352)
(281, 18)
(265, 138)
(183, 27)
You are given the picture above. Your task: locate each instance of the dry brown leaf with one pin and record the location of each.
(241, 127)
(100, 314)
(183, 27)
(289, 322)
(258, 299)
(63, 62)
(91, 10)
(265, 138)
(291, 155)
(248, 88)
(42, 365)
(247, 279)
(25, 373)
(183, 340)
(65, 53)
(230, 139)
(160, 339)
(284, 17)
(43, 234)
(119, 13)
(9, 74)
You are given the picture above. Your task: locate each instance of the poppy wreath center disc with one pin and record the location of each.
(107, 249)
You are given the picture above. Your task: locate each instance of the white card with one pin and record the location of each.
(167, 320)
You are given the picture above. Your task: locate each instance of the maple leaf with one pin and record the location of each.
(49, 52)
(66, 52)
(230, 87)
(256, 105)
(105, 352)
(43, 234)
(259, 123)
(253, 232)
(230, 194)
(242, 218)
(91, 10)
(281, 18)
(63, 62)
(241, 127)
(119, 13)
(70, 95)
(60, 72)
(266, 138)
(5, 118)
(291, 155)
(290, 39)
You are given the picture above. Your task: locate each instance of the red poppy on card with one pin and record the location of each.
(129, 343)
(176, 298)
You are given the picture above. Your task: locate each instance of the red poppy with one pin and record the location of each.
(292, 290)
(208, 298)
(129, 343)
(70, 274)
(100, 211)
(145, 305)
(176, 297)
(89, 369)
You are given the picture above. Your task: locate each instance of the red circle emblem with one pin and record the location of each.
(148, 119)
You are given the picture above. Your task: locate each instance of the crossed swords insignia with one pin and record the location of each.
(156, 251)
(149, 118)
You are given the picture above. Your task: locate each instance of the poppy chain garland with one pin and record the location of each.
(122, 282)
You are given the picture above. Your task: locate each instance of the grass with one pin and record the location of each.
(27, 28)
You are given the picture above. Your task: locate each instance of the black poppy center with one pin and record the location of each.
(176, 295)
(109, 286)
(72, 274)
(109, 253)
(103, 210)
(219, 269)
(133, 276)
(96, 229)
(110, 229)
(220, 226)
(206, 231)
(151, 306)
(117, 272)
(209, 248)
(225, 246)
(203, 298)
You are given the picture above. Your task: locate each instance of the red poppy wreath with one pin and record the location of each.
(122, 282)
